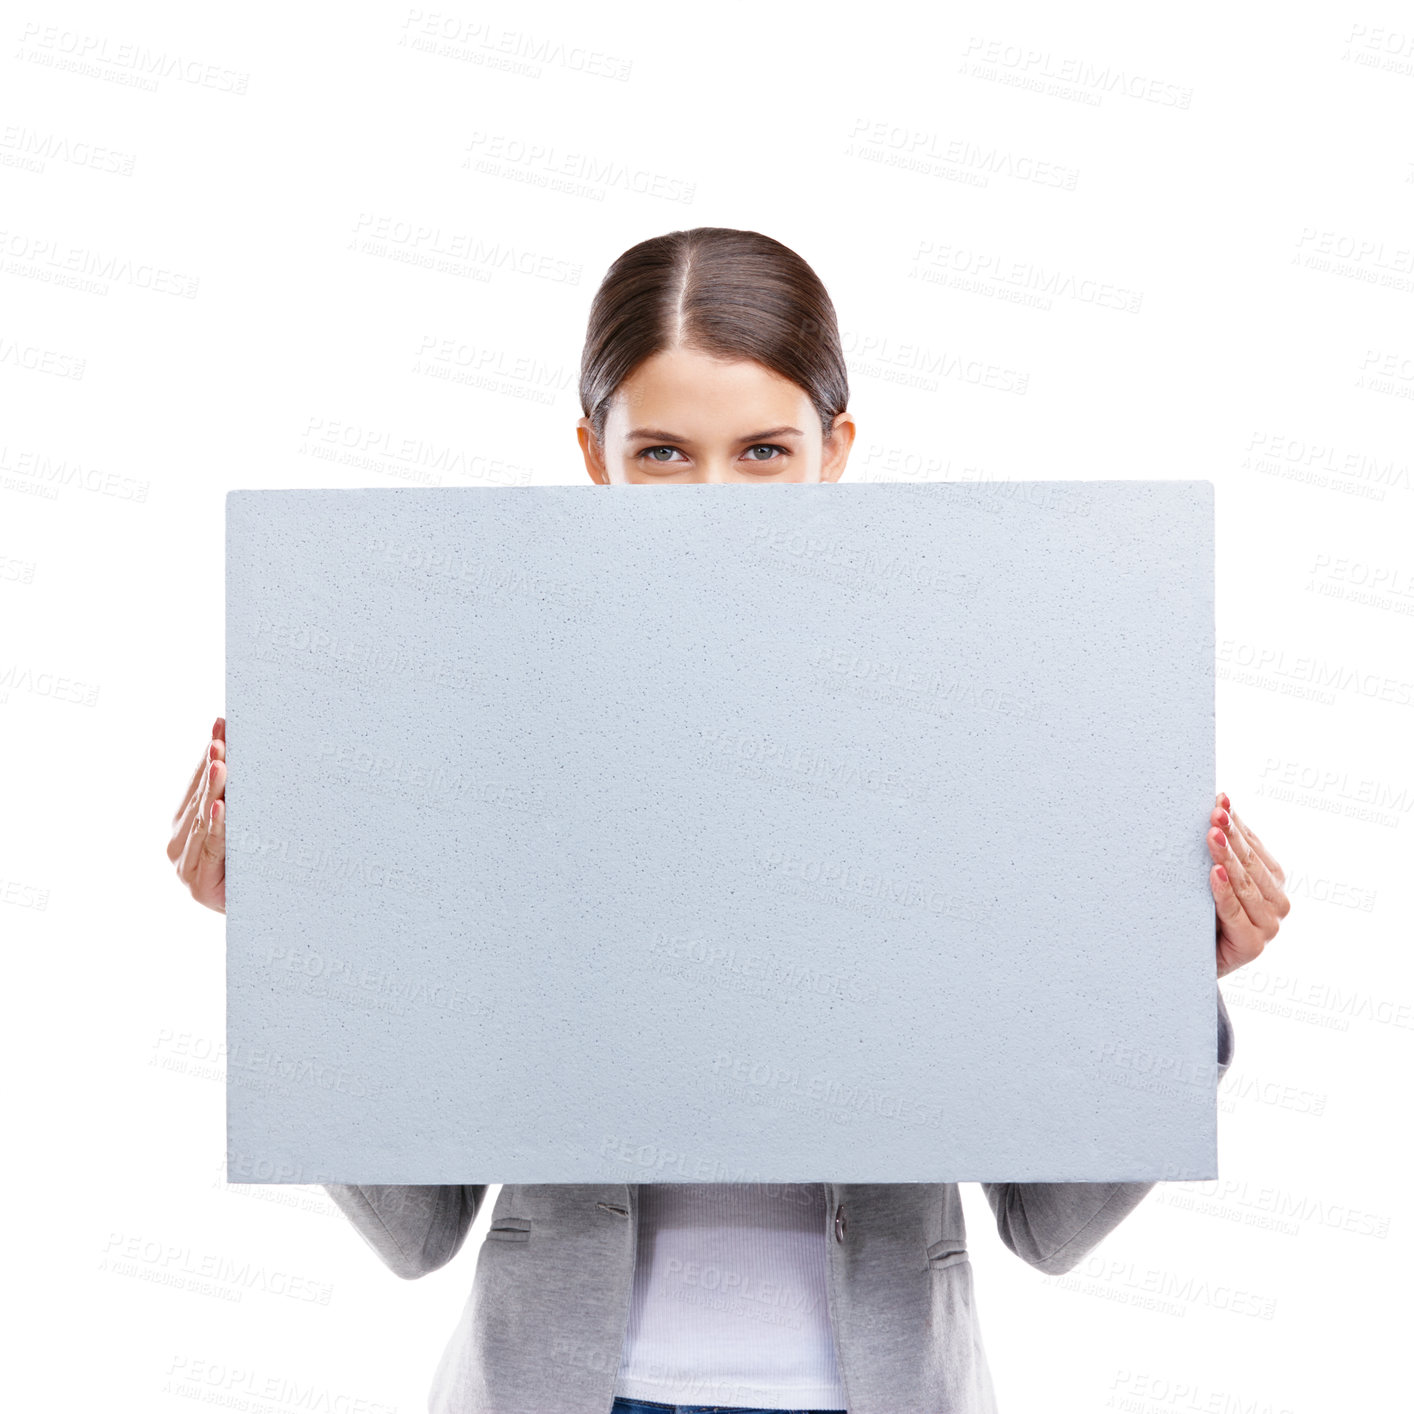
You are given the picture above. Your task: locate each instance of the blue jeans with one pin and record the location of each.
(648, 1406)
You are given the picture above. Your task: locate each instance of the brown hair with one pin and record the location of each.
(734, 294)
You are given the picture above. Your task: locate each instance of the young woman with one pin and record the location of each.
(713, 355)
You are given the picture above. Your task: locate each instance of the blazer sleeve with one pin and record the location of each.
(414, 1228)
(1053, 1226)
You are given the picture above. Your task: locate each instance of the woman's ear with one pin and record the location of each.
(837, 446)
(593, 453)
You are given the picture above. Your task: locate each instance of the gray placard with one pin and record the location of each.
(779, 831)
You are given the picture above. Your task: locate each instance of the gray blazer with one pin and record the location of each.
(544, 1326)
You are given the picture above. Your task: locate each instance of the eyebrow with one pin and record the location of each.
(658, 434)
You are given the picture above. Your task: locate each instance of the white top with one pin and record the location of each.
(729, 1304)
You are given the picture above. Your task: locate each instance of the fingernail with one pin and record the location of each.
(1223, 819)
(1222, 840)
(1222, 873)
(1226, 803)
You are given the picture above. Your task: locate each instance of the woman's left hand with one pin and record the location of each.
(1247, 888)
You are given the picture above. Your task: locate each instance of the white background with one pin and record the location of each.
(1061, 244)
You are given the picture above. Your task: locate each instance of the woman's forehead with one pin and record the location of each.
(681, 390)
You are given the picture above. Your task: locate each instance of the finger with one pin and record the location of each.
(201, 820)
(182, 820)
(192, 841)
(218, 731)
(1237, 942)
(1275, 869)
(210, 872)
(181, 827)
(1260, 914)
(1232, 917)
(1253, 863)
(193, 785)
(215, 789)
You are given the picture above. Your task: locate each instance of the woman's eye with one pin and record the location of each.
(767, 447)
(649, 453)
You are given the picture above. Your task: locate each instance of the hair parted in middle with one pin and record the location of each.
(733, 294)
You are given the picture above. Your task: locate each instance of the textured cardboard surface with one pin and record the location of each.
(580, 834)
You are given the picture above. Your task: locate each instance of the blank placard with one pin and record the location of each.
(722, 833)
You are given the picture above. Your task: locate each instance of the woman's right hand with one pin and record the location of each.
(198, 843)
